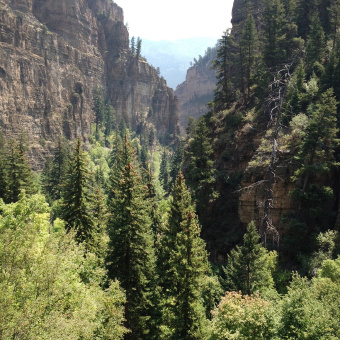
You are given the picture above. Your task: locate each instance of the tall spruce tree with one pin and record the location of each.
(314, 161)
(184, 262)
(315, 44)
(18, 174)
(131, 255)
(250, 266)
(176, 163)
(164, 171)
(223, 94)
(273, 31)
(98, 108)
(77, 197)
(55, 169)
(248, 54)
(200, 171)
(2, 168)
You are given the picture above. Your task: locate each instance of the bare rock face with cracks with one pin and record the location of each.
(54, 53)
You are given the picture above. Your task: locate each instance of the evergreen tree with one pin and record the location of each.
(306, 10)
(184, 263)
(248, 53)
(314, 160)
(222, 65)
(176, 163)
(138, 48)
(273, 25)
(77, 197)
(2, 168)
(144, 156)
(109, 119)
(164, 171)
(18, 174)
(250, 266)
(131, 254)
(315, 44)
(133, 46)
(200, 171)
(317, 149)
(54, 170)
(334, 14)
(98, 108)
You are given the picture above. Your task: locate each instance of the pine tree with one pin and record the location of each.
(314, 160)
(2, 168)
(77, 197)
(138, 48)
(164, 171)
(250, 266)
(222, 65)
(317, 149)
(176, 163)
(248, 53)
(334, 14)
(54, 170)
(200, 172)
(306, 10)
(109, 119)
(315, 44)
(184, 264)
(133, 46)
(18, 174)
(131, 254)
(273, 25)
(98, 108)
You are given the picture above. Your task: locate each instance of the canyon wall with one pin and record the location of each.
(196, 91)
(53, 54)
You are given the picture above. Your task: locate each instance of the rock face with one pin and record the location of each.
(52, 55)
(196, 92)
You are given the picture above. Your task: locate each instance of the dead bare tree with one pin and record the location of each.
(274, 103)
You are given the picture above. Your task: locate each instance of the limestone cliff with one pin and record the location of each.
(197, 89)
(52, 55)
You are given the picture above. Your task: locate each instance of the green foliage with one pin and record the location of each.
(16, 172)
(244, 317)
(310, 310)
(200, 171)
(164, 171)
(176, 163)
(248, 55)
(250, 266)
(77, 197)
(131, 255)
(184, 264)
(98, 108)
(315, 44)
(49, 288)
(54, 170)
(326, 243)
(222, 66)
(314, 159)
(273, 26)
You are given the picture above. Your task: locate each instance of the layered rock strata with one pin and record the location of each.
(52, 55)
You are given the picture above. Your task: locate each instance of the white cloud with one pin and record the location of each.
(176, 19)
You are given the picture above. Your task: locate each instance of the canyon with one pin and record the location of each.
(52, 56)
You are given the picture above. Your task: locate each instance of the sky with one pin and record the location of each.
(176, 19)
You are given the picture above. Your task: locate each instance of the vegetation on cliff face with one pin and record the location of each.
(119, 252)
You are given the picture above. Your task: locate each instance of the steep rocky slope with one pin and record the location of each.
(52, 55)
(195, 92)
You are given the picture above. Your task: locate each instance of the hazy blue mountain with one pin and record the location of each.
(174, 57)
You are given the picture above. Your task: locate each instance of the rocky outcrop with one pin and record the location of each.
(52, 55)
(196, 92)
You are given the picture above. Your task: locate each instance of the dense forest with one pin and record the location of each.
(126, 237)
